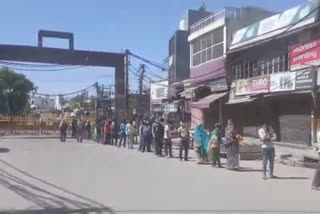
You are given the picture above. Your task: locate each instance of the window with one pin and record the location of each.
(262, 66)
(208, 47)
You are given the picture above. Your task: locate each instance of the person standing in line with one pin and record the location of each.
(184, 143)
(232, 147)
(93, 131)
(316, 177)
(80, 130)
(214, 147)
(135, 130)
(107, 132)
(167, 140)
(201, 140)
(130, 134)
(146, 133)
(99, 132)
(88, 130)
(123, 133)
(141, 136)
(266, 135)
(63, 130)
(74, 128)
(114, 133)
(153, 137)
(158, 136)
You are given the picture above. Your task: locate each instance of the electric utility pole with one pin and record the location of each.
(141, 77)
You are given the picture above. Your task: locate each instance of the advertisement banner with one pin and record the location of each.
(303, 55)
(288, 20)
(285, 81)
(254, 85)
(159, 90)
(305, 79)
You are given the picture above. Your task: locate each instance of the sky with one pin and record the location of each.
(142, 26)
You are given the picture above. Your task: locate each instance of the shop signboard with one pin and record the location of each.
(285, 81)
(287, 21)
(254, 85)
(305, 79)
(304, 55)
(218, 85)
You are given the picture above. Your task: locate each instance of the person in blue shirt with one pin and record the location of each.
(123, 133)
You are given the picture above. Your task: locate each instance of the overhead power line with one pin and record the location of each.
(155, 64)
(67, 94)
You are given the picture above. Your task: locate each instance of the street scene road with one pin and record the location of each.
(42, 175)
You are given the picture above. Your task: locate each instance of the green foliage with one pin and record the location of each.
(15, 89)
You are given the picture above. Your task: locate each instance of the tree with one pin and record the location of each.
(14, 91)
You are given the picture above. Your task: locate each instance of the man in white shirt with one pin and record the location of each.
(266, 135)
(167, 140)
(130, 134)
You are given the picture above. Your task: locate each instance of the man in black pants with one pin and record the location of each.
(184, 144)
(158, 137)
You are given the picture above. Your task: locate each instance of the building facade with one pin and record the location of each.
(158, 97)
(210, 39)
(273, 64)
(179, 57)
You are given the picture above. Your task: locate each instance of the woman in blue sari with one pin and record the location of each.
(201, 140)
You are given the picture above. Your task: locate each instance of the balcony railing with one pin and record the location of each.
(213, 17)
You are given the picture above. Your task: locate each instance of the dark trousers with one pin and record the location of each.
(216, 157)
(268, 155)
(63, 136)
(168, 147)
(107, 138)
(79, 136)
(184, 145)
(124, 138)
(158, 145)
(114, 139)
(146, 143)
(141, 143)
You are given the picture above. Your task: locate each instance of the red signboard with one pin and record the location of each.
(304, 54)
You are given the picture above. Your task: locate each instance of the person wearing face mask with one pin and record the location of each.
(184, 143)
(267, 136)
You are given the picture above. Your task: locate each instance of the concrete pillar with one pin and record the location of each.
(120, 93)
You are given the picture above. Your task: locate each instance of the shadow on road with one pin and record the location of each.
(243, 169)
(4, 150)
(43, 195)
(291, 178)
(219, 211)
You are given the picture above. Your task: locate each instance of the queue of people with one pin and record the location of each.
(158, 136)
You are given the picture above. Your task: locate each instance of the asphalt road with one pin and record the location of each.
(41, 175)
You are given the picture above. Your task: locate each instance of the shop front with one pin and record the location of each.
(285, 100)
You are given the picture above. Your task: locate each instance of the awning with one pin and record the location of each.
(205, 102)
(241, 100)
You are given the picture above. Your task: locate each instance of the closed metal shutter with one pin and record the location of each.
(295, 129)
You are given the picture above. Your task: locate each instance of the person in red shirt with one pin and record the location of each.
(107, 132)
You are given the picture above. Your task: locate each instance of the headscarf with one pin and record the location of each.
(229, 132)
(200, 136)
